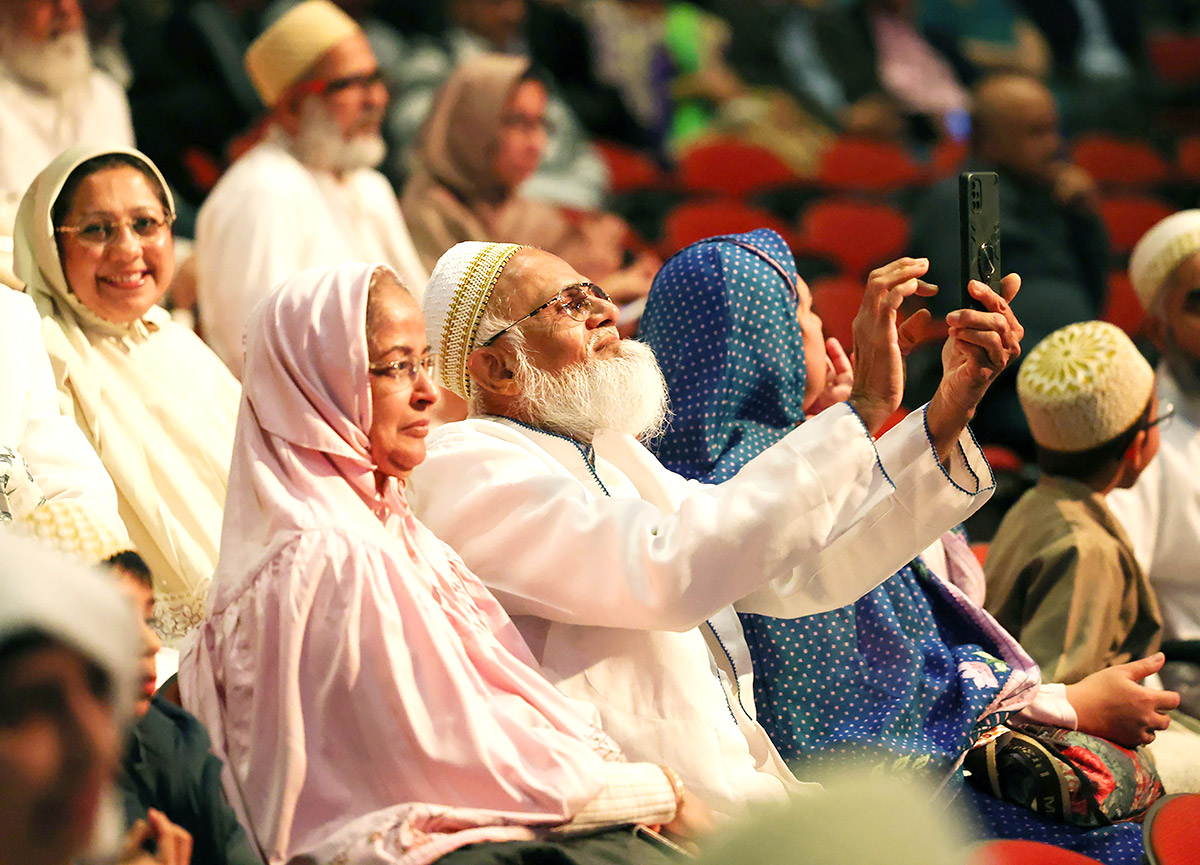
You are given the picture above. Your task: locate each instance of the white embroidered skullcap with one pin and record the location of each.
(1162, 249)
(455, 299)
(1083, 386)
(285, 52)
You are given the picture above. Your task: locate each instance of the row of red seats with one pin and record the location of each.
(735, 168)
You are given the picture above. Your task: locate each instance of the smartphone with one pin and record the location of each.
(979, 231)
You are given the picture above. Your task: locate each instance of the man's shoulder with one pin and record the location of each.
(480, 432)
(104, 86)
(267, 168)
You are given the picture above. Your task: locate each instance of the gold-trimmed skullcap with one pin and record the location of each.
(455, 299)
(285, 52)
(1083, 386)
(1162, 249)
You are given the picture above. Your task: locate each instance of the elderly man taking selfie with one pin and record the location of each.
(622, 576)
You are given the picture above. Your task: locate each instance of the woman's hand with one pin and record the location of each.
(1112, 703)
(173, 844)
(693, 821)
(839, 379)
(880, 343)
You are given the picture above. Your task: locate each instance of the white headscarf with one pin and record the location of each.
(157, 405)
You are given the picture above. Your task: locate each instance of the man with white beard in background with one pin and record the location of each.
(623, 576)
(308, 194)
(50, 98)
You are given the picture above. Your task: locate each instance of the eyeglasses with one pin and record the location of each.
(576, 300)
(527, 123)
(334, 86)
(406, 370)
(102, 232)
(1165, 412)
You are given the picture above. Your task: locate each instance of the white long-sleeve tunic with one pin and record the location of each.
(270, 217)
(622, 576)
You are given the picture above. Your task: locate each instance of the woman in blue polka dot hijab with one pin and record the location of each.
(911, 674)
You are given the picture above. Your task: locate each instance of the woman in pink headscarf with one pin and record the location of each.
(370, 698)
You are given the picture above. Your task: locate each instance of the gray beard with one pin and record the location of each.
(625, 393)
(319, 143)
(1184, 368)
(52, 67)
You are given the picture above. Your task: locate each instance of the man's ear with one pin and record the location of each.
(287, 109)
(491, 370)
(1135, 454)
(1156, 329)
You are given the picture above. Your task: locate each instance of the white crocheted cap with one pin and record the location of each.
(1083, 386)
(290, 47)
(1162, 249)
(456, 297)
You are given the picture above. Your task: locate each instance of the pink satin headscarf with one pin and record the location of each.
(354, 675)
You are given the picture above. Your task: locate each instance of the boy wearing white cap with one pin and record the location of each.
(1161, 512)
(308, 194)
(1061, 574)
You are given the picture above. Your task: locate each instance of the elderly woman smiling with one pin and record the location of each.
(93, 246)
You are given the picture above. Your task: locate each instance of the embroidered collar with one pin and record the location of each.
(588, 452)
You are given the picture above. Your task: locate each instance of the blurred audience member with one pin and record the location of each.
(372, 699)
(1061, 572)
(1161, 512)
(94, 247)
(308, 193)
(191, 97)
(789, 44)
(1098, 48)
(50, 95)
(559, 42)
(67, 658)
(875, 49)
(167, 766)
(669, 61)
(1050, 233)
(991, 35)
(486, 135)
(52, 484)
(571, 172)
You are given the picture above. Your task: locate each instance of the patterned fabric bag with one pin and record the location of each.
(1065, 775)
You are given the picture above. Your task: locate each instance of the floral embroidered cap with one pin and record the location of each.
(1083, 386)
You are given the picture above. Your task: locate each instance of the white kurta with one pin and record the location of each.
(63, 464)
(270, 217)
(1161, 515)
(622, 575)
(35, 128)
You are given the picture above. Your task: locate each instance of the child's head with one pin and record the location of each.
(1089, 397)
(135, 581)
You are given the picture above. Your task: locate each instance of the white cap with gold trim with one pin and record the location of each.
(455, 299)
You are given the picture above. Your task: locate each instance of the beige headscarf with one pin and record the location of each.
(454, 195)
(157, 405)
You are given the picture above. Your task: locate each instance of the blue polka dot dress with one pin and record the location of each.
(902, 678)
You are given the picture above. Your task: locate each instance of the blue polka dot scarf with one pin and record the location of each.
(902, 677)
(906, 677)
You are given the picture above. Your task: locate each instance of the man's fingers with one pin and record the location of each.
(991, 342)
(1009, 286)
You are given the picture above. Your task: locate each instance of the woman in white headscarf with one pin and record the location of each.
(93, 246)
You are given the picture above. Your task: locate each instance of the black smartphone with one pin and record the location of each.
(979, 231)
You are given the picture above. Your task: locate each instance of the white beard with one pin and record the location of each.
(54, 66)
(624, 393)
(319, 143)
